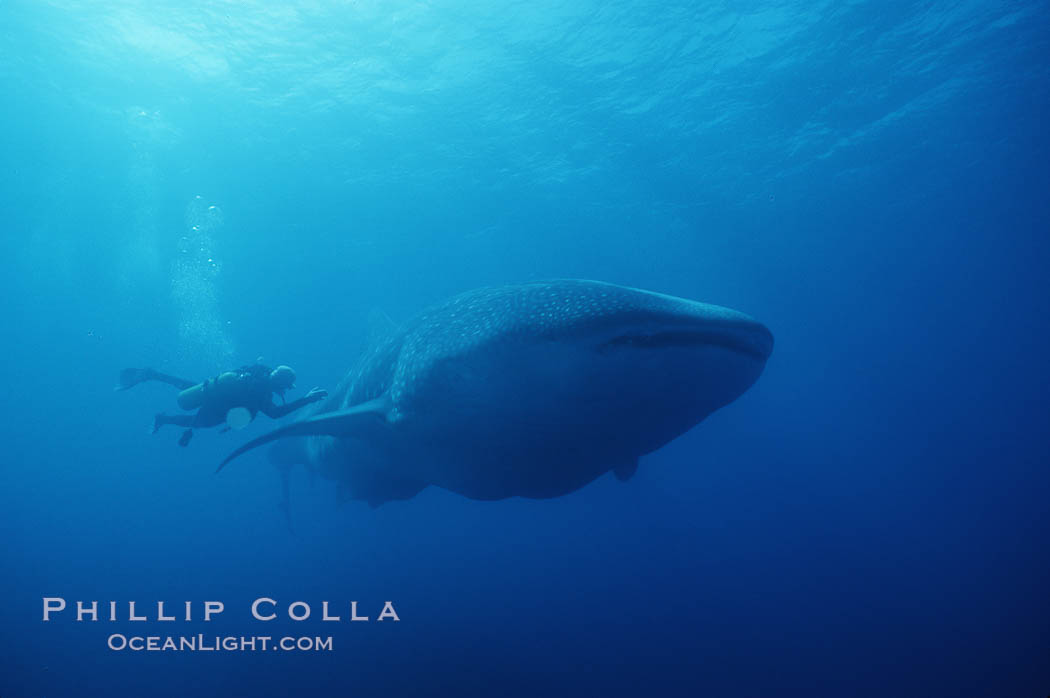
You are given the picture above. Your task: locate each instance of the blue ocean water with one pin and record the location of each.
(193, 185)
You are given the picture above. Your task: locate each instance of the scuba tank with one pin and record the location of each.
(193, 397)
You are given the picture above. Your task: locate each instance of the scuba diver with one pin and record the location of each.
(233, 397)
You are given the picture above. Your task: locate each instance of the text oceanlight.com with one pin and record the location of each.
(201, 643)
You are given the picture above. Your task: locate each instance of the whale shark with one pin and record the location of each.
(530, 390)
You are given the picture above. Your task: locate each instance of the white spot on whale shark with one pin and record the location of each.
(531, 390)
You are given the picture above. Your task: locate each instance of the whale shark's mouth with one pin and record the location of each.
(755, 341)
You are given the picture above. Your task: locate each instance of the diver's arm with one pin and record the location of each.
(277, 411)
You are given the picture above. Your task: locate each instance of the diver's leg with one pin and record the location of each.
(208, 416)
(180, 383)
(186, 436)
(130, 377)
(180, 420)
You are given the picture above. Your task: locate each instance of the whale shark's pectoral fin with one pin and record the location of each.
(625, 471)
(360, 420)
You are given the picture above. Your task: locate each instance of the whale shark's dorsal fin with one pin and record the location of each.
(358, 420)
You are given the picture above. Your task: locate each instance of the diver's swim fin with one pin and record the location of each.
(359, 420)
(130, 377)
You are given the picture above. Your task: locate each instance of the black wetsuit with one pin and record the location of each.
(249, 387)
(251, 391)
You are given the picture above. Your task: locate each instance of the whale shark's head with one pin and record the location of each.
(636, 366)
(672, 362)
(656, 364)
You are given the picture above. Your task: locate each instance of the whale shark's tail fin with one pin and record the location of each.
(359, 420)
